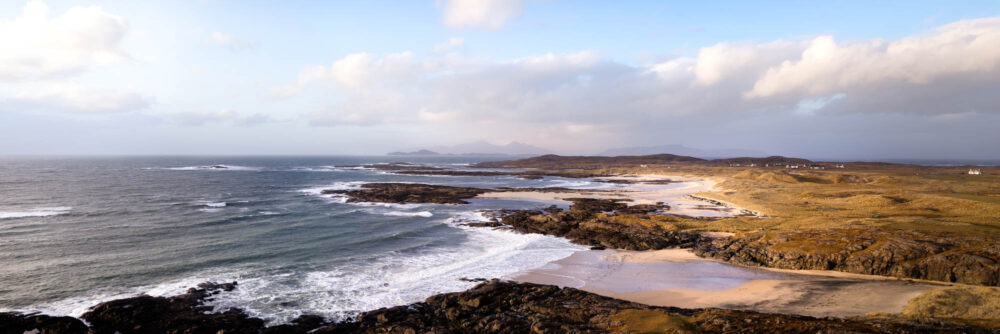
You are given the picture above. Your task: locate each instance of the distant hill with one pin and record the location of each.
(683, 151)
(552, 161)
(419, 152)
(480, 148)
(772, 160)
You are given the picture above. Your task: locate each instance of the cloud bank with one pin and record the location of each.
(950, 70)
(37, 45)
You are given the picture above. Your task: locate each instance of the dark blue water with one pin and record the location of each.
(75, 231)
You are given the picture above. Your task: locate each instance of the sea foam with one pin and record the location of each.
(36, 212)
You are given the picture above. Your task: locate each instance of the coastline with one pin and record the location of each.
(712, 295)
(630, 275)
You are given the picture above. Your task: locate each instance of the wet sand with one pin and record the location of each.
(678, 278)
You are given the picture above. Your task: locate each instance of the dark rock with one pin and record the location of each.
(178, 314)
(410, 193)
(424, 193)
(18, 323)
(582, 225)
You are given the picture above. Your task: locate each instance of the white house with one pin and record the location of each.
(975, 172)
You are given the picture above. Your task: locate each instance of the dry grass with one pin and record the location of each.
(975, 304)
(648, 321)
(916, 198)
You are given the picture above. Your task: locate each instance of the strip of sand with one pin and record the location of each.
(678, 278)
(676, 194)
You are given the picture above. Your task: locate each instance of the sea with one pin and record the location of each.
(76, 231)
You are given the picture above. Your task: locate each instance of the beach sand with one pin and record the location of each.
(675, 194)
(679, 278)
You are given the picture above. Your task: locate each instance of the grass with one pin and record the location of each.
(648, 321)
(972, 304)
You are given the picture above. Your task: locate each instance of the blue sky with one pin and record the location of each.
(844, 79)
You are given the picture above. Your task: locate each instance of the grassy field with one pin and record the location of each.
(900, 197)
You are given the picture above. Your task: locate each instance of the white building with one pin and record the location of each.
(975, 172)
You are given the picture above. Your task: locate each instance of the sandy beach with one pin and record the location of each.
(677, 194)
(679, 278)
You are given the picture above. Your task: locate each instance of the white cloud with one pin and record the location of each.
(39, 46)
(79, 99)
(825, 66)
(950, 70)
(485, 14)
(230, 41)
(450, 44)
(354, 71)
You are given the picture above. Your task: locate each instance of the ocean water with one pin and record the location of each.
(76, 231)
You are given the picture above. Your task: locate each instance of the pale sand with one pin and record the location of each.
(674, 194)
(678, 278)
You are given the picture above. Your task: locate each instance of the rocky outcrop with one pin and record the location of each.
(178, 314)
(410, 193)
(18, 323)
(589, 222)
(425, 193)
(937, 256)
(508, 307)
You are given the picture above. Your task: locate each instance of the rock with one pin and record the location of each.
(582, 225)
(18, 323)
(938, 256)
(424, 193)
(178, 314)
(410, 193)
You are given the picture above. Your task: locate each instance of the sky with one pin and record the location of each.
(834, 80)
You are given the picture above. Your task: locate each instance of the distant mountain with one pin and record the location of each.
(480, 148)
(682, 150)
(419, 152)
(553, 161)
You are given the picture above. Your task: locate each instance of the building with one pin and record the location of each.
(975, 172)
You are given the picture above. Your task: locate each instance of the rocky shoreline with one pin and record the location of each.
(490, 307)
(613, 224)
(510, 307)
